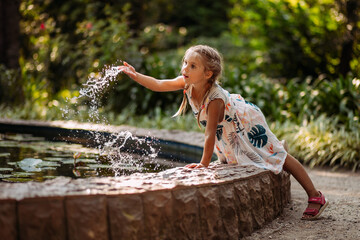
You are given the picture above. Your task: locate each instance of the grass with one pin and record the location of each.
(322, 142)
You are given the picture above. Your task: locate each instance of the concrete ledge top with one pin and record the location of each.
(133, 184)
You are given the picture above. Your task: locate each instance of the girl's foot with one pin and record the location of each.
(315, 208)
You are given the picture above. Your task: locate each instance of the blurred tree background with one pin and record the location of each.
(298, 60)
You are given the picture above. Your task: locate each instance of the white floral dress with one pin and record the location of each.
(243, 136)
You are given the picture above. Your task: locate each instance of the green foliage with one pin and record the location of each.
(193, 17)
(299, 101)
(295, 38)
(322, 142)
(201, 17)
(104, 40)
(72, 46)
(160, 37)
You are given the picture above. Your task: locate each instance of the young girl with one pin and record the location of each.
(235, 128)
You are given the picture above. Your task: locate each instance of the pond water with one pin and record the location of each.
(25, 157)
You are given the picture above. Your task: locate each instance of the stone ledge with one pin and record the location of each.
(221, 202)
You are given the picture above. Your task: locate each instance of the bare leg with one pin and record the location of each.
(295, 168)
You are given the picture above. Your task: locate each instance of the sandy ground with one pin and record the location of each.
(340, 220)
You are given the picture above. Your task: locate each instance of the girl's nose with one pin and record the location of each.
(184, 70)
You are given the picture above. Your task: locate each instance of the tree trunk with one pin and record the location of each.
(9, 33)
(11, 90)
(351, 11)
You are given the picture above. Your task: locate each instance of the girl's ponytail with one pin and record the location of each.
(183, 105)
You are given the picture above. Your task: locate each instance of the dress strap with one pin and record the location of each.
(216, 92)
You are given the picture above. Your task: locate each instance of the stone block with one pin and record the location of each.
(211, 223)
(242, 198)
(277, 192)
(267, 192)
(87, 217)
(228, 210)
(42, 218)
(286, 188)
(158, 215)
(8, 220)
(126, 217)
(257, 203)
(186, 214)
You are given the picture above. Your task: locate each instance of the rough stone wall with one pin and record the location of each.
(221, 202)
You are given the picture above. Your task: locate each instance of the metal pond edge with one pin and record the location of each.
(167, 149)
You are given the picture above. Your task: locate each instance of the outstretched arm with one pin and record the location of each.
(151, 83)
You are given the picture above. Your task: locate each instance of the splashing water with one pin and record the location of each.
(94, 89)
(110, 146)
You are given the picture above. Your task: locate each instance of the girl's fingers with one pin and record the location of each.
(128, 71)
(191, 165)
(128, 65)
(194, 165)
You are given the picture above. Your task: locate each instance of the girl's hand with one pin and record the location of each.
(128, 70)
(196, 165)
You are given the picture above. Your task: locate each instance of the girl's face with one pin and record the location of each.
(193, 69)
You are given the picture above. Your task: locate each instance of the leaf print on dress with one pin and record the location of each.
(237, 125)
(257, 136)
(253, 157)
(235, 142)
(228, 118)
(219, 132)
(203, 122)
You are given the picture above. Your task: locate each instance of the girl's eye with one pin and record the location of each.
(193, 66)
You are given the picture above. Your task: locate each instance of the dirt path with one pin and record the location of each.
(340, 220)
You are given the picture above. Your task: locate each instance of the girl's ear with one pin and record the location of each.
(208, 74)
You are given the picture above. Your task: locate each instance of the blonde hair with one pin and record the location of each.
(212, 61)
